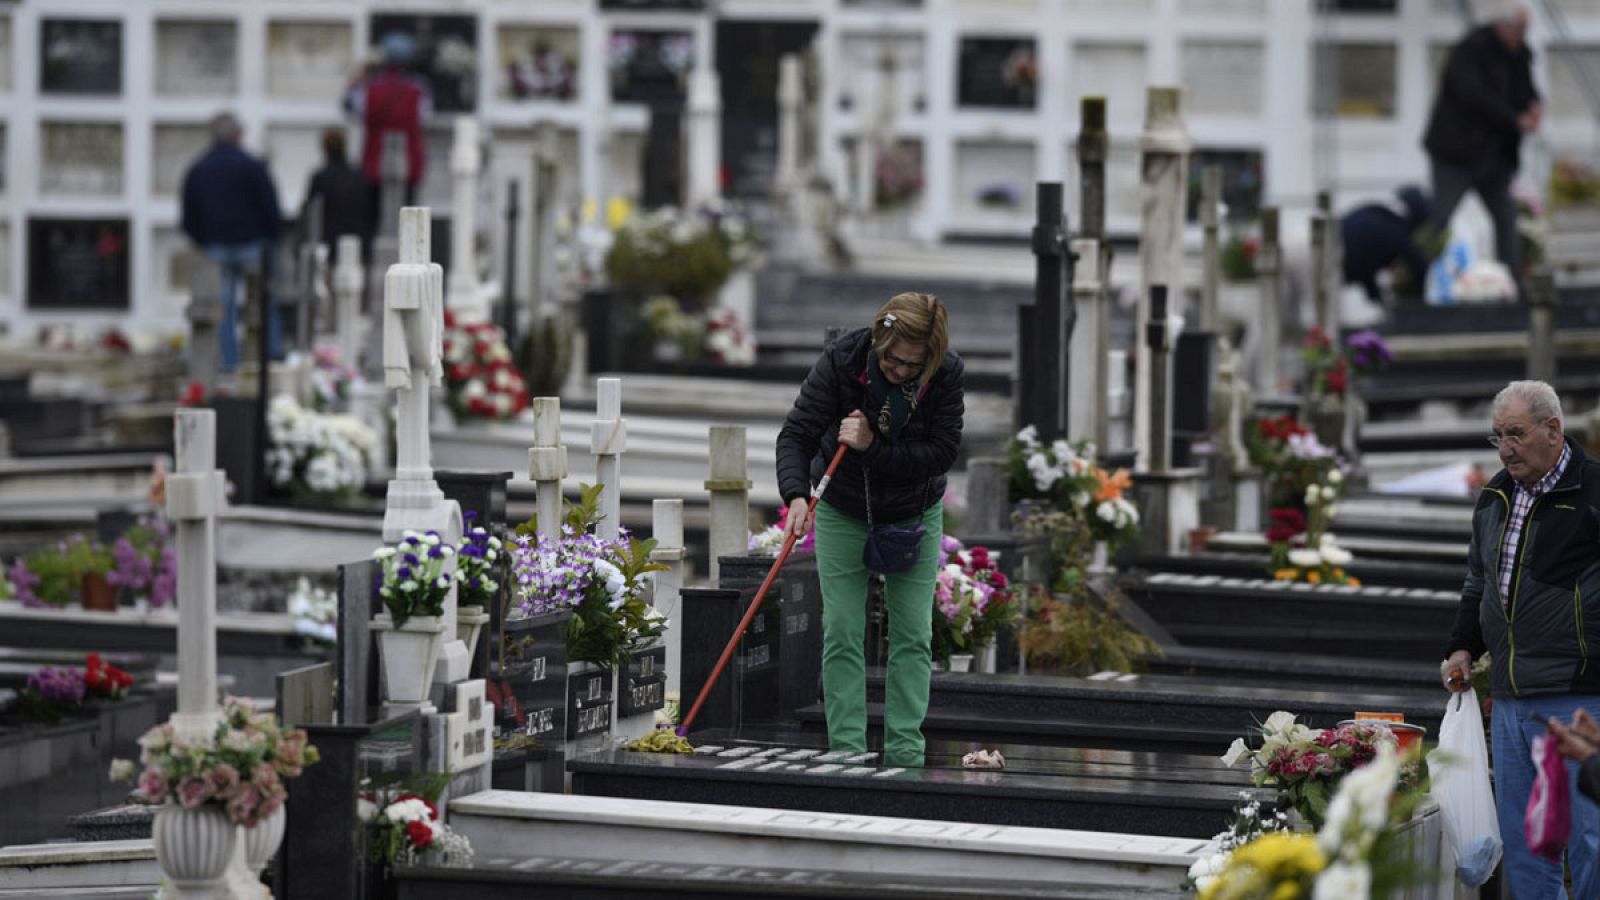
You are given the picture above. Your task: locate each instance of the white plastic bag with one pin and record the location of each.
(1460, 772)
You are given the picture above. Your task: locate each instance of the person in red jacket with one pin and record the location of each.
(392, 100)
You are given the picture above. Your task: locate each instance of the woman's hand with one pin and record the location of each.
(1573, 745)
(797, 523)
(855, 432)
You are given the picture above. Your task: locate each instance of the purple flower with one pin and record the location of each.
(58, 685)
(23, 581)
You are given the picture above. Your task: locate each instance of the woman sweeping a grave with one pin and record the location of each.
(892, 394)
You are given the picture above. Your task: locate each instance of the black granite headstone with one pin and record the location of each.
(528, 679)
(799, 600)
(357, 666)
(588, 700)
(80, 56)
(642, 684)
(241, 456)
(748, 689)
(78, 264)
(482, 496)
(305, 696)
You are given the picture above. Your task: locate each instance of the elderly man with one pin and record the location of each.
(1532, 598)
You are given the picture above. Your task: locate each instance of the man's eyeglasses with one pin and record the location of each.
(914, 368)
(1514, 437)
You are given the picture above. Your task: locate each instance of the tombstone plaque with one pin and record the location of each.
(643, 63)
(309, 60)
(80, 158)
(1224, 78)
(642, 684)
(469, 743)
(176, 146)
(80, 56)
(748, 690)
(528, 681)
(77, 264)
(997, 72)
(1242, 174)
(537, 63)
(7, 57)
(196, 57)
(305, 696)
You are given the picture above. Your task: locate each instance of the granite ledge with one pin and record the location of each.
(76, 853)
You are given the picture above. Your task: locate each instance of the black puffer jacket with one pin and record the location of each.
(1544, 644)
(1485, 86)
(907, 476)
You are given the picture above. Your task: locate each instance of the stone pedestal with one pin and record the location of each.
(1169, 508)
(729, 485)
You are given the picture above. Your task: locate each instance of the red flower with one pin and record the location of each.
(998, 579)
(1317, 338)
(1337, 378)
(193, 395)
(420, 834)
(1286, 523)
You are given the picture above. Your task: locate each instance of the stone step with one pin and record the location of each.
(1114, 802)
(101, 869)
(1333, 620)
(1448, 553)
(1240, 564)
(1288, 669)
(504, 825)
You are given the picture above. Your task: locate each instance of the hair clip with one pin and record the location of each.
(889, 319)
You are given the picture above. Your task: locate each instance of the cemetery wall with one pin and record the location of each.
(103, 104)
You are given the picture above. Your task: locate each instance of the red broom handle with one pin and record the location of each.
(761, 594)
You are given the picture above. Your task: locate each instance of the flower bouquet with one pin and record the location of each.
(1303, 549)
(146, 563)
(480, 377)
(684, 254)
(769, 541)
(315, 455)
(478, 561)
(67, 572)
(53, 693)
(1067, 475)
(331, 380)
(315, 611)
(995, 599)
(241, 768)
(416, 576)
(1306, 764)
(403, 827)
(1290, 458)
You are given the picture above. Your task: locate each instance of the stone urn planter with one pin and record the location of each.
(406, 656)
(263, 840)
(193, 846)
(469, 624)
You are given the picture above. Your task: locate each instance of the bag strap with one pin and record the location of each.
(866, 481)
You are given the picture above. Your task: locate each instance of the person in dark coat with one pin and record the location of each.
(1486, 103)
(230, 211)
(343, 191)
(893, 394)
(1374, 236)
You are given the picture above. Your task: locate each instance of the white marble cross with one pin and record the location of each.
(348, 280)
(666, 526)
(547, 463)
(608, 438)
(1164, 149)
(465, 294)
(195, 494)
(729, 485)
(705, 122)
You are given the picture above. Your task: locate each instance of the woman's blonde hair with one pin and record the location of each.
(915, 318)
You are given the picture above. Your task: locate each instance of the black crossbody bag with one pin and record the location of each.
(890, 548)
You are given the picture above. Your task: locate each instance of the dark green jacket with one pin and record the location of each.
(1546, 644)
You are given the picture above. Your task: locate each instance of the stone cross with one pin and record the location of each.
(413, 326)
(790, 97)
(1322, 300)
(348, 281)
(195, 494)
(1211, 249)
(1158, 341)
(465, 294)
(705, 121)
(546, 182)
(1331, 270)
(1164, 147)
(666, 526)
(204, 313)
(608, 439)
(729, 485)
(1119, 401)
(1269, 278)
(547, 463)
(1091, 338)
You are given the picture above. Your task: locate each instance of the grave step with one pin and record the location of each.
(1177, 703)
(1238, 564)
(1330, 620)
(1296, 669)
(1131, 805)
(503, 825)
(120, 869)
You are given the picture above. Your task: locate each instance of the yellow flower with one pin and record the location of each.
(1314, 577)
(1290, 574)
(1276, 866)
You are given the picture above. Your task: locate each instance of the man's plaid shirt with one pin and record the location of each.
(1521, 504)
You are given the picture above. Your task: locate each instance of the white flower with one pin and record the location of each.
(1313, 495)
(1335, 476)
(123, 770)
(1342, 881)
(1332, 511)
(366, 810)
(1305, 557)
(1328, 493)
(1237, 751)
(1028, 437)
(408, 586)
(1336, 556)
(1080, 499)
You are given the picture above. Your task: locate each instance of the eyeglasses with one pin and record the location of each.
(915, 368)
(1513, 437)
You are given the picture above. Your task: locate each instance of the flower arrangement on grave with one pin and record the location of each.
(674, 333)
(1573, 183)
(1250, 822)
(1290, 458)
(1330, 369)
(478, 562)
(146, 564)
(56, 576)
(545, 73)
(769, 540)
(315, 611)
(1303, 549)
(1067, 475)
(897, 175)
(331, 380)
(728, 341)
(317, 456)
(404, 827)
(1020, 70)
(416, 578)
(1484, 281)
(480, 377)
(1307, 764)
(686, 254)
(973, 600)
(601, 581)
(54, 692)
(1238, 261)
(241, 767)
(1358, 850)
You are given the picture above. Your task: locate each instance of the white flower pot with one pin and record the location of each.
(407, 655)
(961, 662)
(193, 846)
(1101, 561)
(469, 622)
(262, 841)
(986, 659)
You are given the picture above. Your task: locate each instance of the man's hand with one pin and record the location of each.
(854, 432)
(1456, 672)
(797, 524)
(1578, 739)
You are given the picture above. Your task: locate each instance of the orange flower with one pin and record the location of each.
(1352, 582)
(1314, 577)
(1112, 485)
(1286, 575)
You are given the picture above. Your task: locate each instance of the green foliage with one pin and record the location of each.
(1065, 633)
(580, 516)
(665, 253)
(1238, 260)
(544, 355)
(60, 569)
(604, 626)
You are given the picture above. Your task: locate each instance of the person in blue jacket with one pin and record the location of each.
(230, 210)
(1377, 235)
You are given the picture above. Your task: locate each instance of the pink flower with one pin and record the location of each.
(153, 785)
(193, 791)
(242, 805)
(223, 777)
